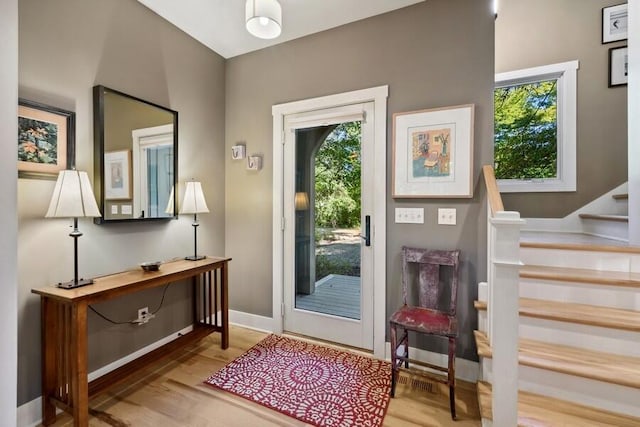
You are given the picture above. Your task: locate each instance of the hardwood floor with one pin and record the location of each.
(173, 394)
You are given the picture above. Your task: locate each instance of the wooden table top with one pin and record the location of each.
(114, 285)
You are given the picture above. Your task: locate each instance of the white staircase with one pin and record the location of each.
(579, 328)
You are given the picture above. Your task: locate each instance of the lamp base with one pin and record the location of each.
(73, 284)
(195, 257)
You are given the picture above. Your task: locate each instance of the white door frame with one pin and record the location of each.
(378, 95)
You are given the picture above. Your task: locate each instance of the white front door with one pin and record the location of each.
(328, 202)
(306, 118)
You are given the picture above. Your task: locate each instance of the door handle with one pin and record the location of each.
(367, 230)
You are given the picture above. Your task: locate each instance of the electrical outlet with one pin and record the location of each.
(144, 315)
(447, 216)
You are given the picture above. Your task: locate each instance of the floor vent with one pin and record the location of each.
(417, 383)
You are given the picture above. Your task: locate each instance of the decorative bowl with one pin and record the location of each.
(151, 266)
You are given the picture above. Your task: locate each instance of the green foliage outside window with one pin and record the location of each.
(525, 129)
(337, 178)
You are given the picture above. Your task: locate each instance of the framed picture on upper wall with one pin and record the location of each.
(618, 66)
(614, 23)
(46, 140)
(433, 153)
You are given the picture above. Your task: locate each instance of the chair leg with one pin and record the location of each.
(394, 357)
(451, 376)
(405, 341)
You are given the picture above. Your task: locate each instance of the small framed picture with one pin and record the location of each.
(433, 153)
(238, 152)
(614, 23)
(117, 182)
(618, 66)
(46, 140)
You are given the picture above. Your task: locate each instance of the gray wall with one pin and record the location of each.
(531, 33)
(434, 54)
(8, 217)
(65, 48)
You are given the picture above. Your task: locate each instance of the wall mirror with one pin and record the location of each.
(136, 162)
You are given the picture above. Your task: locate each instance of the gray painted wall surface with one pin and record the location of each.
(531, 33)
(8, 217)
(434, 54)
(65, 48)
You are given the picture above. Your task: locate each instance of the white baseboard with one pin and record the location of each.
(251, 321)
(30, 413)
(466, 370)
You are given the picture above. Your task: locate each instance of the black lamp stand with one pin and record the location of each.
(195, 256)
(75, 283)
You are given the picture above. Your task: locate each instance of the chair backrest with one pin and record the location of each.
(427, 276)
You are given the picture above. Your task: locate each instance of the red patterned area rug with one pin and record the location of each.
(319, 385)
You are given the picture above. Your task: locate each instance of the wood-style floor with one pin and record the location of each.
(172, 394)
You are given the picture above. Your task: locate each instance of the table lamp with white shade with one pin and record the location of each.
(194, 203)
(73, 198)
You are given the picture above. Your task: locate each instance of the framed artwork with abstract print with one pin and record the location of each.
(46, 140)
(433, 153)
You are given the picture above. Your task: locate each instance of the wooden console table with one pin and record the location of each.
(64, 329)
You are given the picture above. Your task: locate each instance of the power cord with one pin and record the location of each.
(133, 322)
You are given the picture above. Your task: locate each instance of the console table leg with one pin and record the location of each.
(224, 301)
(79, 381)
(49, 332)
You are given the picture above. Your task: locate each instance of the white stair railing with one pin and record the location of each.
(503, 271)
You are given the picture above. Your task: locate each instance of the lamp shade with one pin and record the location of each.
(193, 202)
(72, 197)
(169, 208)
(301, 201)
(263, 18)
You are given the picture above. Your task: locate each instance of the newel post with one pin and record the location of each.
(502, 313)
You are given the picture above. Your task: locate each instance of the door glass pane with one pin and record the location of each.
(328, 213)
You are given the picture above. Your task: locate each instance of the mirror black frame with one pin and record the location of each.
(99, 92)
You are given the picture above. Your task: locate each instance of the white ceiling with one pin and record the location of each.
(219, 24)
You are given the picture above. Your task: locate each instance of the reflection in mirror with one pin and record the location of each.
(135, 156)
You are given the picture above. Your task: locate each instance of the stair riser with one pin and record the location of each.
(607, 340)
(581, 293)
(584, 391)
(611, 261)
(614, 341)
(612, 229)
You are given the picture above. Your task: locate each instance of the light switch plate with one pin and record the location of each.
(447, 216)
(409, 215)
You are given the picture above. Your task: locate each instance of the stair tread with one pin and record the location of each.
(565, 274)
(584, 314)
(596, 365)
(573, 241)
(624, 196)
(619, 218)
(541, 411)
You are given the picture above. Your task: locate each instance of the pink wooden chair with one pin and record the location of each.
(435, 273)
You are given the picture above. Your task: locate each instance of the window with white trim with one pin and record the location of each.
(535, 128)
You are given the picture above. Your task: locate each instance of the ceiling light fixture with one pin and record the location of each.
(263, 18)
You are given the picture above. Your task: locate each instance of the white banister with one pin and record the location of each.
(503, 270)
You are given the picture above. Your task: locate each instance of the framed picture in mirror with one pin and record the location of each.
(117, 171)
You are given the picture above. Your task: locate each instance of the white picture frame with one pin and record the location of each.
(117, 175)
(614, 23)
(433, 153)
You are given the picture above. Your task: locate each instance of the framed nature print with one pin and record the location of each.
(46, 140)
(614, 23)
(433, 153)
(618, 66)
(117, 173)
